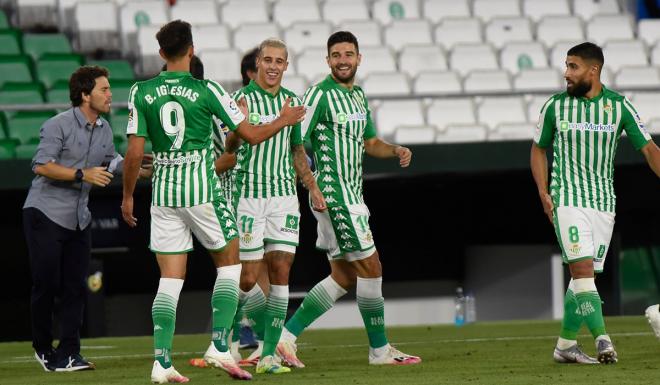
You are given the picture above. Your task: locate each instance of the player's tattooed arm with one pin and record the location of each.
(301, 166)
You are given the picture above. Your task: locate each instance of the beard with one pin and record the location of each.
(344, 79)
(579, 89)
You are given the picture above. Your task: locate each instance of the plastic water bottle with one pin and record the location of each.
(470, 308)
(459, 307)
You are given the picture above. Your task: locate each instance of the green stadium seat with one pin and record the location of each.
(4, 23)
(36, 44)
(118, 121)
(24, 126)
(59, 92)
(15, 68)
(3, 125)
(7, 149)
(120, 89)
(26, 151)
(119, 69)
(10, 42)
(53, 67)
(21, 93)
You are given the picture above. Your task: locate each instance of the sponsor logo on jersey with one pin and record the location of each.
(178, 161)
(291, 222)
(586, 126)
(601, 252)
(343, 118)
(253, 118)
(575, 249)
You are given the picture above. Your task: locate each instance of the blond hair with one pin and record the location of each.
(274, 43)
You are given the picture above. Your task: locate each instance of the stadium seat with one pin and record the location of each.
(646, 104)
(453, 31)
(306, 34)
(96, 26)
(587, 9)
(15, 68)
(59, 92)
(558, 54)
(458, 133)
(467, 57)
(338, 11)
(538, 79)
(625, 53)
(653, 127)
(24, 126)
(149, 60)
(119, 122)
(7, 149)
(437, 10)
(196, 12)
(402, 33)
(238, 12)
(121, 90)
(118, 69)
(534, 107)
(637, 77)
(414, 134)
(385, 11)
(502, 30)
(296, 83)
(394, 113)
(538, 9)
(437, 82)
(135, 14)
(211, 36)
(386, 84)
(417, 58)
(488, 9)
(648, 30)
(222, 65)
(311, 63)
(446, 112)
(21, 93)
(36, 13)
(367, 32)
(36, 45)
(4, 22)
(26, 151)
(485, 81)
(53, 67)
(515, 57)
(286, 12)
(376, 59)
(10, 42)
(554, 29)
(497, 110)
(250, 35)
(513, 131)
(65, 11)
(604, 28)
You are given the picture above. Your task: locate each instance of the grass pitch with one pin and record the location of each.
(481, 353)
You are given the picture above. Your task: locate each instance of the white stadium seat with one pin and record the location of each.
(211, 37)
(484, 81)
(604, 28)
(385, 11)
(394, 113)
(512, 131)
(237, 12)
(286, 12)
(295, 83)
(134, 14)
(488, 9)
(587, 9)
(460, 133)
(653, 127)
(386, 84)
(417, 58)
(538, 79)
(367, 32)
(502, 30)
(648, 30)
(625, 53)
(96, 26)
(337, 11)
(534, 107)
(515, 57)
(415, 134)
(437, 82)
(196, 12)
(376, 59)
(497, 110)
(250, 35)
(311, 63)
(453, 31)
(306, 34)
(558, 54)
(553, 29)
(32, 13)
(445, 112)
(437, 10)
(223, 66)
(538, 9)
(646, 104)
(467, 57)
(638, 77)
(402, 33)
(150, 61)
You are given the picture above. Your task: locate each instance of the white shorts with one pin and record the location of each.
(584, 233)
(267, 224)
(350, 224)
(212, 223)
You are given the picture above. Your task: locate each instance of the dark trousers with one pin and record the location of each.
(59, 259)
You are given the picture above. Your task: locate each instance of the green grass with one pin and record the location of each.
(482, 353)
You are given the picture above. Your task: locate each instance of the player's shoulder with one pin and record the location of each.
(613, 95)
(290, 94)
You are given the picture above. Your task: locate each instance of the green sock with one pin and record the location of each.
(319, 300)
(223, 303)
(236, 327)
(254, 308)
(163, 314)
(572, 321)
(592, 311)
(274, 316)
(372, 308)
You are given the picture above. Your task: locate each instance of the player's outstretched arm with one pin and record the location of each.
(257, 134)
(539, 165)
(652, 154)
(379, 148)
(225, 162)
(305, 174)
(132, 161)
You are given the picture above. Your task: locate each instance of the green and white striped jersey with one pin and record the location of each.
(338, 121)
(174, 111)
(226, 179)
(584, 134)
(266, 169)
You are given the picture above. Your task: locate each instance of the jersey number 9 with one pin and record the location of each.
(173, 122)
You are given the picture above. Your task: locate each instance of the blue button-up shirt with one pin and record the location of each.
(69, 140)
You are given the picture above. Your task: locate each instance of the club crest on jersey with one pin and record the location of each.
(608, 108)
(247, 238)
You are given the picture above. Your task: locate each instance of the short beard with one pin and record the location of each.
(346, 79)
(579, 89)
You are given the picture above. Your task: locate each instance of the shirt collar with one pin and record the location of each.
(82, 120)
(174, 74)
(253, 86)
(330, 80)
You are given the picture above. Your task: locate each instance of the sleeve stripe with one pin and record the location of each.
(638, 120)
(132, 125)
(213, 84)
(311, 110)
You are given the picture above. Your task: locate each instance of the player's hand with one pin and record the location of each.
(318, 201)
(98, 176)
(292, 115)
(147, 166)
(127, 211)
(548, 206)
(404, 154)
(242, 105)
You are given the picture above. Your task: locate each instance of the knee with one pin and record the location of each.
(248, 278)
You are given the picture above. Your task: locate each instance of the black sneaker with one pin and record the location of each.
(45, 359)
(73, 363)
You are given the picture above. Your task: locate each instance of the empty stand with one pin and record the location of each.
(394, 113)
(437, 10)
(385, 11)
(469, 57)
(502, 30)
(414, 134)
(538, 79)
(238, 12)
(488, 9)
(445, 112)
(307, 34)
(386, 84)
(485, 81)
(286, 12)
(402, 33)
(96, 26)
(494, 111)
(516, 57)
(418, 58)
(453, 31)
(437, 82)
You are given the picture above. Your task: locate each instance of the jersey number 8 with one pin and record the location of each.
(173, 122)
